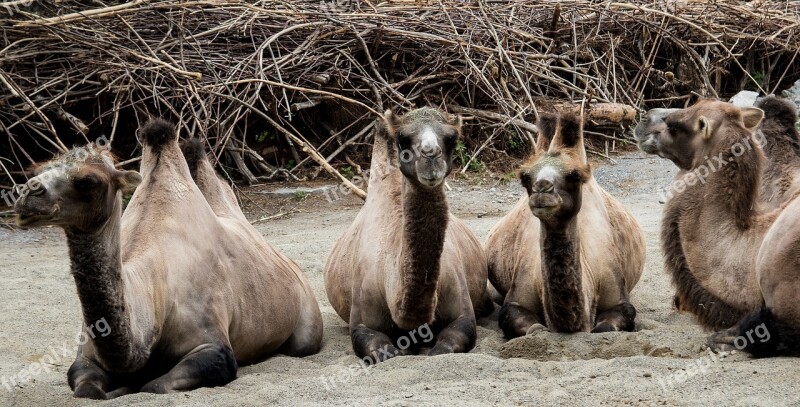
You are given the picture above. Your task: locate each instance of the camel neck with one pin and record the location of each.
(425, 216)
(561, 266)
(735, 179)
(97, 269)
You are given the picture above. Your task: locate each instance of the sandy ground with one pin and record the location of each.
(663, 363)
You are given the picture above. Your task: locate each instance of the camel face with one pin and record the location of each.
(686, 136)
(554, 190)
(650, 131)
(77, 190)
(426, 140)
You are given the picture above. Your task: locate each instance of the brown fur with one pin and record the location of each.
(187, 286)
(727, 257)
(571, 269)
(779, 138)
(406, 261)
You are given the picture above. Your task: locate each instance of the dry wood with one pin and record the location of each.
(306, 70)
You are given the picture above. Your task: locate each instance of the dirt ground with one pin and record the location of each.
(664, 363)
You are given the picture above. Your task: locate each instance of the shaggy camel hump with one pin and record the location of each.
(406, 265)
(186, 294)
(568, 254)
(729, 260)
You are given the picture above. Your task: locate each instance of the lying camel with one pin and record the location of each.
(188, 295)
(730, 261)
(778, 137)
(568, 254)
(406, 263)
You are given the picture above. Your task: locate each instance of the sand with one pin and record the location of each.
(664, 363)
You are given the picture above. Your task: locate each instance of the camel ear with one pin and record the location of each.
(706, 127)
(457, 121)
(127, 181)
(391, 120)
(547, 129)
(752, 117)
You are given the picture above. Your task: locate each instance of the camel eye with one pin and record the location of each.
(450, 140)
(86, 183)
(404, 141)
(525, 178)
(574, 177)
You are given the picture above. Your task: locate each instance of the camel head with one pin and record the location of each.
(426, 140)
(554, 177)
(77, 190)
(686, 136)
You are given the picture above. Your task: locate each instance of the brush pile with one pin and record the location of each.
(285, 89)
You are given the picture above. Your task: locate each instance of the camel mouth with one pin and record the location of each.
(28, 220)
(430, 182)
(544, 203)
(649, 145)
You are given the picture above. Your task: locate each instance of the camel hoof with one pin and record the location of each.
(156, 388)
(721, 342)
(536, 328)
(89, 391)
(439, 350)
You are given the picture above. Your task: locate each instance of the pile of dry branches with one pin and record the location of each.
(286, 88)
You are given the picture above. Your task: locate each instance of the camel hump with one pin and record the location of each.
(194, 152)
(779, 110)
(156, 133)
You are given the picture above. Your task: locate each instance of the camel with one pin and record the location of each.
(734, 265)
(568, 254)
(406, 264)
(778, 137)
(188, 289)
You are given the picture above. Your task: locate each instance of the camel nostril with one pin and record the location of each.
(543, 185)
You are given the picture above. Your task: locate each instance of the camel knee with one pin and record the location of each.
(211, 365)
(621, 317)
(88, 390)
(515, 320)
(372, 346)
(87, 380)
(216, 365)
(459, 336)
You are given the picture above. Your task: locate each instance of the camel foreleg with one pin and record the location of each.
(208, 365)
(373, 346)
(618, 318)
(459, 336)
(87, 379)
(516, 320)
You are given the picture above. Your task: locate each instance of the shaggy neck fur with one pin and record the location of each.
(561, 264)
(735, 185)
(425, 216)
(732, 189)
(96, 267)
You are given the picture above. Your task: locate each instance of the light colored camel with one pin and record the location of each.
(188, 295)
(406, 262)
(568, 254)
(733, 264)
